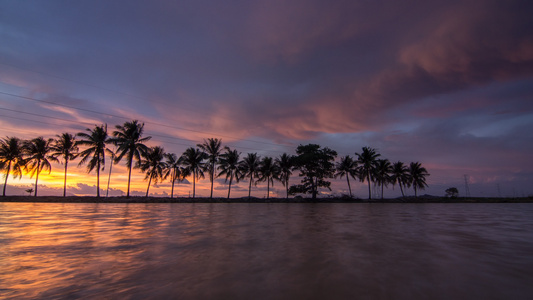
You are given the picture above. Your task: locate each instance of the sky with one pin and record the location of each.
(446, 83)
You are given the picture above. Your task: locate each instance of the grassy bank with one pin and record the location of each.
(424, 199)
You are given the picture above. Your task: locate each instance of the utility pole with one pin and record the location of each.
(467, 190)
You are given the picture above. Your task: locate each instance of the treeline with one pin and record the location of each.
(315, 164)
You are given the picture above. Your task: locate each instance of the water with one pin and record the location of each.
(266, 251)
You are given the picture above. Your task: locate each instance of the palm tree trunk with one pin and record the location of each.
(250, 186)
(7, 174)
(368, 180)
(349, 187)
(193, 184)
(65, 184)
(382, 184)
(98, 179)
(173, 180)
(401, 189)
(287, 187)
(129, 176)
(212, 178)
(229, 188)
(109, 177)
(37, 177)
(268, 187)
(416, 196)
(148, 189)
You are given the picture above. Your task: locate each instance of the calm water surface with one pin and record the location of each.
(266, 251)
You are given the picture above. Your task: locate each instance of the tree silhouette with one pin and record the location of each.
(174, 170)
(153, 165)
(346, 167)
(250, 168)
(268, 171)
(418, 176)
(94, 155)
(400, 175)
(193, 160)
(128, 138)
(367, 164)
(38, 157)
(315, 165)
(382, 173)
(65, 147)
(11, 158)
(285, 164)
(452, 192)
(212, 147)
(229, 165)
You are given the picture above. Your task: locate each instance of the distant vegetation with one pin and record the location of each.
(316, 165)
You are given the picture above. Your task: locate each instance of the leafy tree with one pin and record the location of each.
(65, 146)
(452, 192)
(174, 170)
(286, 166)
(268, 171)
(230, 166)
(400, 175)
(193, 160)
(153, 165)
(346, 167)
(418, 176)
(38, 157)
(367, 164)
(382, 173)
(128, 138)
(94, 155)
(213, 148)
(11, 158)
(315, 165)
(250, 168)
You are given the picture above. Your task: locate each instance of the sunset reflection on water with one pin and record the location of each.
(280, 251)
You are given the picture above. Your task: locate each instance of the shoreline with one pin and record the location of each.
(137, 199)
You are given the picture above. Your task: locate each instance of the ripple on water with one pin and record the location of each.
(266, 251)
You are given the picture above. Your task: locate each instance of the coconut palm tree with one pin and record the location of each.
(382, 173)
(229, 165)
(418, 176)
(38, 157)
(367, 163)
(94, 154)
(11, 157)
(193, 160)
(268, 171)
(213, 148)
(128, 138)
(65, 146)
(174, 170)
(346, 167)
(285, 165)
(153, 165)
(400, 175)
(250, 168)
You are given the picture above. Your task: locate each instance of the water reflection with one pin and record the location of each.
(270, 251)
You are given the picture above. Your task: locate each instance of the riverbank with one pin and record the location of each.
(421, 199)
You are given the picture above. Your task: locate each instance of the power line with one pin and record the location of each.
(147, 122)
(90, 124)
